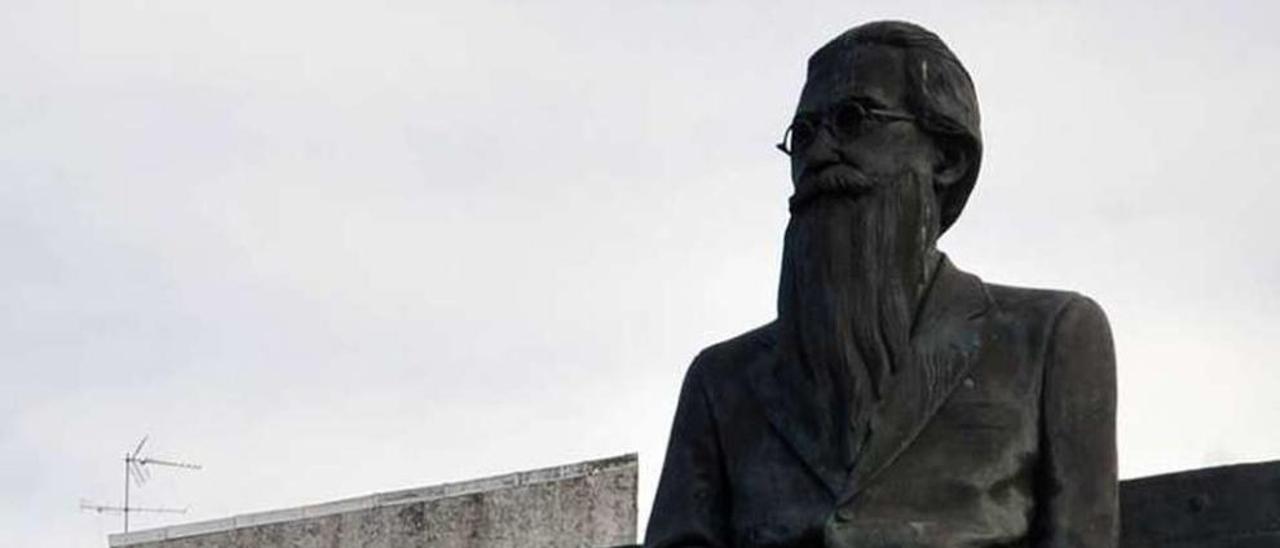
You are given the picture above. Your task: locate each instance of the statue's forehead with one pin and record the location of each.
(867, 72)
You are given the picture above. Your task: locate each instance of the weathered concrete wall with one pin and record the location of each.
(591, 504)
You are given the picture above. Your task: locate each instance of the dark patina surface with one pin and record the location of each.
(1235, 506)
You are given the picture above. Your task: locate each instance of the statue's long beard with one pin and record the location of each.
(854, 266)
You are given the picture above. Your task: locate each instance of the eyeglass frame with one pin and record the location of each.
(824, 120)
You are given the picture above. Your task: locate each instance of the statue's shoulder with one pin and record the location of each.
(1027, 308)
(729, 358)
(1042, 309)
(1028, 299)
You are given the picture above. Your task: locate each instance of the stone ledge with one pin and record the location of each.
(380, 500)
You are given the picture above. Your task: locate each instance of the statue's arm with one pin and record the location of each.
(691, 506)
(1078, 504)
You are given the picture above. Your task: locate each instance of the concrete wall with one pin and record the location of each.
(590, 504)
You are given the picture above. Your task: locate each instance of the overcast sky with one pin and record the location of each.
(327, 249)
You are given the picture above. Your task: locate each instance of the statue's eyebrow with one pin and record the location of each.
(865, 100)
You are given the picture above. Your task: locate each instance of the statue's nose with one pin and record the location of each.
(822, 152)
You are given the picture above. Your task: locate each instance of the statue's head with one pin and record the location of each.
(881, 100)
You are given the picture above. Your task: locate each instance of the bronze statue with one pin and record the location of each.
(896, 401)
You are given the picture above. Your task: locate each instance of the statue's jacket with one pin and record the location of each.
(1002, 435)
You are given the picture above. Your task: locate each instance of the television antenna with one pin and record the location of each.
(136, 472)
(86, 504)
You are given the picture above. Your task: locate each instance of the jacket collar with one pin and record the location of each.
(946, 337)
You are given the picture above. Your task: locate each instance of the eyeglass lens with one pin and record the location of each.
(845, 120)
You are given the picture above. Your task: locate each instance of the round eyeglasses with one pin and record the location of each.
(845, 121)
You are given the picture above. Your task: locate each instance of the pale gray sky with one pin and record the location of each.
(327, 248)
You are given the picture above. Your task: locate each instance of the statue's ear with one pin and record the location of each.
(954, 161)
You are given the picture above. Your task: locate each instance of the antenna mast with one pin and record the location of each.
(135, 471)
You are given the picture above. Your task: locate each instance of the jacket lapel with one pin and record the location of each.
(789, 402)
(947, 338)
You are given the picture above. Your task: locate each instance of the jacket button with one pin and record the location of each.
(844, 515)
